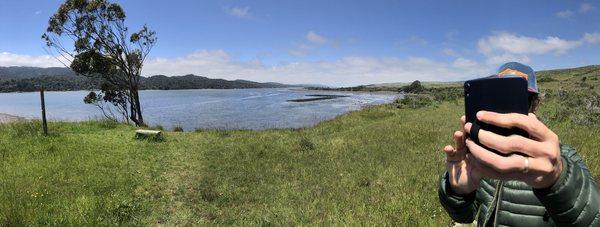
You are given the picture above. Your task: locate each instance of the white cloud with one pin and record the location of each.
(592, 38)
(514, 44)
(347, 71)
(311, 41)
(10, 59)
(506, 57)
(565, 14)
(585, 7)
(313, 37)
(240, 12)
(504, 46)
(463, 63)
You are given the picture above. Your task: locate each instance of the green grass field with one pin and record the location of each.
(377, 166)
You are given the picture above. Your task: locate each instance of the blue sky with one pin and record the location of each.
(338, 43)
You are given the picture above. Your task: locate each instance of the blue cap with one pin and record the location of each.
(516, 69)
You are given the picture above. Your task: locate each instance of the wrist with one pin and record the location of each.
(461, 191)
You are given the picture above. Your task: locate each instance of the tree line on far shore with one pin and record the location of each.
(159, 82)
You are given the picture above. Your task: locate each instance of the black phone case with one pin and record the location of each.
(501, 95)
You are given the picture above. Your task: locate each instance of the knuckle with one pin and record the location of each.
(547, 169)
(503, 166)
(552, 153)
(514, 143)
(532, 128)
(554, 136)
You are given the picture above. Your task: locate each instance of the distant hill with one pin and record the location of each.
(190, 81)
(24, 72)
(25, 79)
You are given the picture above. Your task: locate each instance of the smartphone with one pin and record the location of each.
(500, 95)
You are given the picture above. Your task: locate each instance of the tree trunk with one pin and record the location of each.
(132, 107)
(134, 100)
(138, 108)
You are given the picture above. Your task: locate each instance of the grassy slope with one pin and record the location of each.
(375, 166)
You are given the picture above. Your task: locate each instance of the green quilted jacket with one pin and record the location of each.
(573, 201)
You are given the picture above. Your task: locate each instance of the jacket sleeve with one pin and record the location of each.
(574, 200)
(462, 209)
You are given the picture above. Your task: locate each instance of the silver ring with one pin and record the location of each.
(526, 168)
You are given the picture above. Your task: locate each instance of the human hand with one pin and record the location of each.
(539, 164)
(461, 176)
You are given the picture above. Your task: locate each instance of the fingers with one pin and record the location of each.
(482, 170)
(467, 127)
(529, 123)
(459, 141)
(457, 152)
(498, 163)
(452, 155)
(449, 150)
(510, 144)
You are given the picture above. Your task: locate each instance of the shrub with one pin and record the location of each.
(447, 93)
(178, 128)
(158, 127)
(415, 88)
(414, 101)
(578, 107)
(546, 79)
(306, 144)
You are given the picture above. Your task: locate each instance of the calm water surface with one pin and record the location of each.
(204, 108)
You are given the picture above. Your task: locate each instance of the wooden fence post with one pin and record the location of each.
(44, 123)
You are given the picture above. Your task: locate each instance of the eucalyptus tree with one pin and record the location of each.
(90, 37)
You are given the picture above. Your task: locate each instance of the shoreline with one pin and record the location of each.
(6, 118)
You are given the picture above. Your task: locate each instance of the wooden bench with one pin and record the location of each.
(148, 134)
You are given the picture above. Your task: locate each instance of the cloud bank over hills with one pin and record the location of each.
(494, 49)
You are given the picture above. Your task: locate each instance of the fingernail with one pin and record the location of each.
(479, 114)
